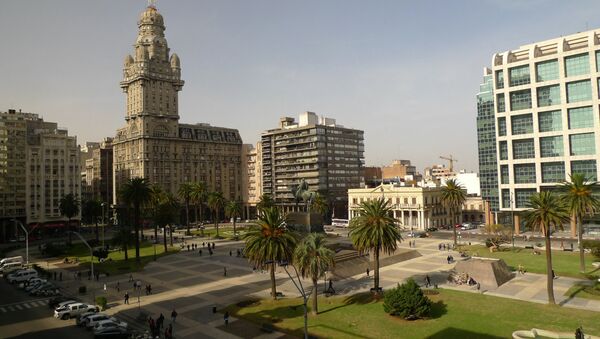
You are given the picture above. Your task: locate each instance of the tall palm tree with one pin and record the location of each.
(268, 241)
(69, 207)
(216, 201)
(198, 197)
(453, 198)
(90, 211)
(185, 193)
(264, 202)
(313, 259)
(374, 230)
(124, 238)
(233, 209)
(136, 192)
(581, 202)
(546, 211)
(165, 213)
(156, 195)
(319, 204)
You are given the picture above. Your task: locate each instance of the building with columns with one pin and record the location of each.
(415, 207)
(153, 144)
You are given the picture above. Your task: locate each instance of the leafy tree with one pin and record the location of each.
(69, 207)
(124, 239)
(264, 202)
(166, 213)
(233, 209)
(313, 259)
(546, 211)
(136, 192)
(216, 201)
(580, 201)
(498, 234)
(185, 193)
(90, 212)
(198, 197)
(407, 301)
(375, 230)
(453, 198)
(268, 241)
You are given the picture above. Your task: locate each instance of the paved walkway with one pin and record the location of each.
(193, 284)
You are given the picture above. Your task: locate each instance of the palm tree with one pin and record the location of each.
(136, 192)
(165, 213)
(69, 207)
(265, 201)
(581, 202)
(546, 211)
(374, 230)
(185, 193)
(313, 259)
(453, 198)
(156, 195)
(268, 241)
(319, 204)
(233, 209)
(198, 196)
(90, 211)
(216, 201)
(123, 239)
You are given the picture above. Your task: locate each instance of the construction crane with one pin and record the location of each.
(451, 160)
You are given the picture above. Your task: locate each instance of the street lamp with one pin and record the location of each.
(26, 239)
(300, 289)
(91, 261)
(512, 216)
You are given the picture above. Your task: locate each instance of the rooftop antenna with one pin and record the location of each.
(152, 3)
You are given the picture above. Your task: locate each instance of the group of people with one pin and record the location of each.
(444, 247)
(157, 326)
(192, 247)
(412, 243)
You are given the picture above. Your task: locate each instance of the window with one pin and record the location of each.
(502, 126)
(521, 124)
(579, 91)
(581, 117)
(597, 61)
(582, 144)
(553, 172)
(577, 65)
(519, 75)
(585, 167)
(550, 121)
(520, 100)
(503, 150)
(522, 197)
(548, 96)
(524, 173)
(504, 175)
(501, 103)
(547, 70)
(499, 79)
(506, 198)
(523, 149)
(551, 146)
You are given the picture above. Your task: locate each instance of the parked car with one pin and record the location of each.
(82, 318)
(38, 290)
(54, 302)
(47, 292)
(417, 235)
(73, 310)
(111, 332)
(91, 321)
(22, 275)
(7, 260)
(34, 284)
(109, 323)
(432, 229)
(10, 267)
(32, 281)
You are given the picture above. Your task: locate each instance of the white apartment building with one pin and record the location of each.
(547, 115)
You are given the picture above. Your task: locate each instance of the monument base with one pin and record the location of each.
(305, 222)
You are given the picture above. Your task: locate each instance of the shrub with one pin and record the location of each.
(593, 245)
(101, 301)
(82, 289)
(407, 301)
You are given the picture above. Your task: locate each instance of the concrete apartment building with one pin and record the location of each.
(252, 189)
(154, 144)
(39, 163)
(98, 173)
(415, 207)
(398, 169)
(329, 157)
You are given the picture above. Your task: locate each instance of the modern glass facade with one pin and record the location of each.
(585, 167)
(504, 175)
(524, 173)
(579, 91)
(582, 144)
(581, 117)
(551, 146)
(502, 126)
(548, 96)
(553, 172)
(519, 75)
(546, 70)
(550, 121)
(523, 149)
(577, 65)
(522, 196)
(486, 140)
(521, 124)
(520, 100)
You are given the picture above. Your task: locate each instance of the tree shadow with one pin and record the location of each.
(355, 299)
(458, 333)
(438, 309)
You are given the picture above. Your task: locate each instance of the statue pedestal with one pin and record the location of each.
(305, 222)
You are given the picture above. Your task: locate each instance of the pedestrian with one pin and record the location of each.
(149, 288)
(448, 259)
(226, 318)
(439, 247)
(210, 252)
(520, 269)
(173, 317)
(159, 322)
(427, 281)
(571, 246)
(554, 275)
(213, 245)
(126, 297)
(54, 275)
(60, 276)
(130, 277)
(230, 253)
(444, 247)
(105, 287)
(200, 252)
(368, 272)
(151, 324)
(188, 248)
(224, 271)
(203, 244)
(170, 331)
(118, 287)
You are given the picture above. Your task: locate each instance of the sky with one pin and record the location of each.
(405, 72)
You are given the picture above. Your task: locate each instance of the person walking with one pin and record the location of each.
(226, 318)
(224, 271)
(126, 297)
(427, 281)
(130, 277)
(368, 272)
(159, 322)
(173, 317)
(149, 288)
(200, 252)
(230, 253)
(60, 276)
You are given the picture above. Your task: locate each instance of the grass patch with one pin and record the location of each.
(118, 264)
(564, 263)
(225, 232)
(455, 314)
(585, 291)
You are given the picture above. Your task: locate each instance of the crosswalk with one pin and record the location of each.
(23, 305)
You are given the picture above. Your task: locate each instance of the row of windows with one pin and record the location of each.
(551, 121)
(579, 144)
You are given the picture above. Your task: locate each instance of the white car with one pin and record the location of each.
(104, 324)
(91, 321)
(34, 283)
(82, 318)
(73, 310)
(31, 282)
(65, 303)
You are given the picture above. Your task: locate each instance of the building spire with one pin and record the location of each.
(152, 3)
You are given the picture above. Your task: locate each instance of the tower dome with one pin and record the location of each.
(175, 63)
(128, 60)
(151, 17)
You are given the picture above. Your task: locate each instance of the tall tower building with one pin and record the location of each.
(154, 144)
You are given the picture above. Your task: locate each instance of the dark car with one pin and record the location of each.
(112, 332)
(432, 229)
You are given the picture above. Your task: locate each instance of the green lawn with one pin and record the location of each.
(455, 315)
(118, 264)
(224, 231)
(585, 291)
(564, 263)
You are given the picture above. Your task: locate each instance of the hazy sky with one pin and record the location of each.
(406, 72)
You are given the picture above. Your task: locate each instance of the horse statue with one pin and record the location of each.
(301, 192)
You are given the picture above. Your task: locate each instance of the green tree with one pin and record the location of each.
(233, 209)
(216, 201)
(374, 230)
(319, 204)
(313, 259)
(453, 198)
(546, 211)
(198, 197)
(264, 202)
(69, 207)
(268, 241)
(407, 301)
(580, 201)
(90, 211)
(165, 213)
(136, 192)
(498, 234)
(185, 193)
(124, 239)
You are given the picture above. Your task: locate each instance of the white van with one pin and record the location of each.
(18, 259)
(10, 267)
(21, 276)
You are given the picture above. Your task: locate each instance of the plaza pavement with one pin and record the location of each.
(193, 284)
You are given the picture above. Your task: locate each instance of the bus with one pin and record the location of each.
(339, 222)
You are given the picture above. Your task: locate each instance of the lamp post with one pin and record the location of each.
(512, 216)
(26, 239)
(91, 261)
(300, 289)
